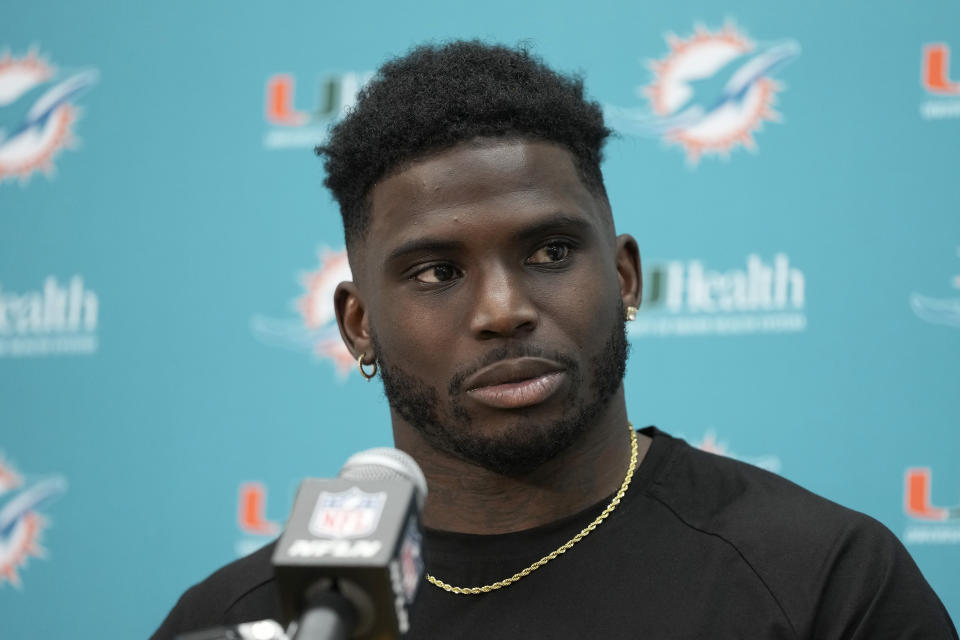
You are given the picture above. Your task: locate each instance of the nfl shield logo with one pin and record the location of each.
(347, 514)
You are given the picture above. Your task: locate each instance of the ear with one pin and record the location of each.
(628, 271)
(354, 322)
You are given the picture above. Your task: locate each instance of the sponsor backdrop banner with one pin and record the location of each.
(169, 362)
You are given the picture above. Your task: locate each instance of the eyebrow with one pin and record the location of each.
(544, 226)
(554, 223)
(423, 245)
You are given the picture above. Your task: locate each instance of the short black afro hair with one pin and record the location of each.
(438, 96)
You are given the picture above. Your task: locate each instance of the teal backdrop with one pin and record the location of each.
(169, 365)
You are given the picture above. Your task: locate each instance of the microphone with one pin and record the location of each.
(349, 561)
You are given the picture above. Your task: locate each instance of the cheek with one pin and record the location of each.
(584, 308)
(415, 338)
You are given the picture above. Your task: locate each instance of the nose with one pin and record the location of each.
(502, 308)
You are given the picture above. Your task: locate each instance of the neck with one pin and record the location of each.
(466, 498)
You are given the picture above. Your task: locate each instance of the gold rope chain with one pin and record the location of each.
(487, 588)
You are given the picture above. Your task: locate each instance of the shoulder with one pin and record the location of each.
(828, 567)
(241, 591)
(723, 495)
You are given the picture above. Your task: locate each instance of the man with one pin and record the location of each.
(491, 292)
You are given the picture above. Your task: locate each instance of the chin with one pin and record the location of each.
(515, 447)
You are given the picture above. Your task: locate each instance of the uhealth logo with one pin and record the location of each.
(316, 328)
(710, 93)
(944, 311)
(941, 522)
(21, 519)
(935, 78)
(684, 297)
(37, 114)
(56, 320)
(293, 126)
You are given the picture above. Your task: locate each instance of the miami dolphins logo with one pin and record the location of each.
(710, 93)
(944, 311)
(38, 114)
(21, 521)
(316, 329)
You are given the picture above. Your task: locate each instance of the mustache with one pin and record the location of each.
(509, 351)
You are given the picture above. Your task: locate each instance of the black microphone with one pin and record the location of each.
(349, 561)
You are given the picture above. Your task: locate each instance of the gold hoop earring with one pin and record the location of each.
(631, 314)
(367, 376)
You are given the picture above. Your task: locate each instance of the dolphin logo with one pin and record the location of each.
(46, 126)
(710, 93)
(938, 310)
(20, 521)
(316, 328)
(60, 94)
(28, 501)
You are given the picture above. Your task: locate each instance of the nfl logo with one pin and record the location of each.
(347, 514)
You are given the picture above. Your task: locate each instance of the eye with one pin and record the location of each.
(551, 252)
(437, 273)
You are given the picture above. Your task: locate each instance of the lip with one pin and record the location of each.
(520, 382)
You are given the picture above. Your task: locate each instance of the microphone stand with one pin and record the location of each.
(327, 615)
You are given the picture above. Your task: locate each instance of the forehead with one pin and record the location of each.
(482, 186)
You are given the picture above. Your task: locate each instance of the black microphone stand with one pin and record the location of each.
(327, 614)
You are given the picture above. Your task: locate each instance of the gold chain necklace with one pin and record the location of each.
(506, 582)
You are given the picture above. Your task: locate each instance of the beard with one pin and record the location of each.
(527, 443)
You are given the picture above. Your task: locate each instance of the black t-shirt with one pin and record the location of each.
(701, 546)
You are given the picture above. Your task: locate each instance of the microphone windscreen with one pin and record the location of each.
(386, 463)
